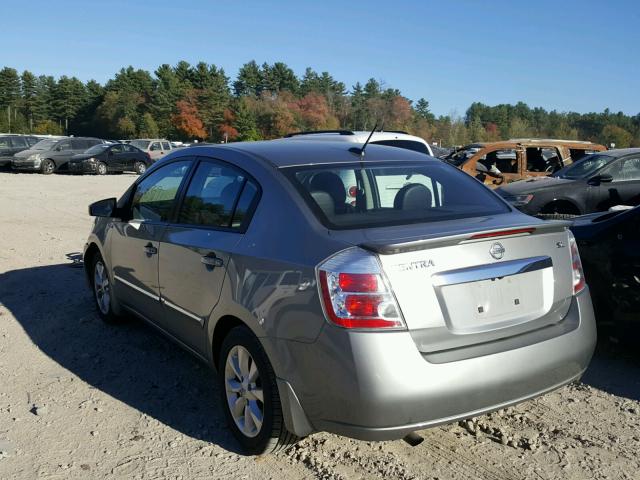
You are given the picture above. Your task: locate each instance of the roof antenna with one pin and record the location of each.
(360, 151)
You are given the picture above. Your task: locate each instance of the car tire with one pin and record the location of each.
(244, 376)
(102, 291)
(47, 167)
(140, 167)
(556, 216)
(101, 168)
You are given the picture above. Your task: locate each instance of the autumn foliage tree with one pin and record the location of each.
(264, 101)
(186, 120)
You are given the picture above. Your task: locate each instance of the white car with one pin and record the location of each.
(391, 138)
(155, 147)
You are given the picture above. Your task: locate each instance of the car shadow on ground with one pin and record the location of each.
(131, 361)
(136, 365)
(614, 369)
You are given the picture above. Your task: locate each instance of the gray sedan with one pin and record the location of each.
(369, 296)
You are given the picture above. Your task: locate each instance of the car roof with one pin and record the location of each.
(355, 136)
(620, 152)
(535, 142)
(283, 153)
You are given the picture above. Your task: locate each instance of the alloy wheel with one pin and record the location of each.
(101, 287)
(243, 386)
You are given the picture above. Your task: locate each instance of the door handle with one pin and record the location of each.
(149, 249)
(210, 260)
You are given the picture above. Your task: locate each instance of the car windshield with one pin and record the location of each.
(46, 144)
(584, 167)
(458, 157)
(98, 148)
(393, 193)
(141, 144)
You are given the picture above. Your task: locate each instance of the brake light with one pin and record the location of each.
(502, 233)
(356, 294)
(579, 281)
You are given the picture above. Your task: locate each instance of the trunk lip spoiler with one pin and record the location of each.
(436, 240)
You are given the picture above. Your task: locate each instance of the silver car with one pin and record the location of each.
(424, 300)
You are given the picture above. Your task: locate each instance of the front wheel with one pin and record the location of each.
(140, 168)
(101, 168)
(47, 167)
(250, 396)
(102, 292)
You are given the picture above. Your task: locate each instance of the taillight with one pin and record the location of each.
(356, 294)
(576, 266)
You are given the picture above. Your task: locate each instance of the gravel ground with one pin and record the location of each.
(81, 399)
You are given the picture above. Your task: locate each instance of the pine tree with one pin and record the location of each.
(249, 80)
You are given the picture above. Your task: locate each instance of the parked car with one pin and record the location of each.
(593, 184)
(115, 157)
(12, 144)
(390, 138)
(52, 154)
(610, 248)
(370, 321)
(155, 147)
(497, 163)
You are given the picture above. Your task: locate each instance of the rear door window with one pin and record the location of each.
(394, 193)
(218, 196)
(166, 146)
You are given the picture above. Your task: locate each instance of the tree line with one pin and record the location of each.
(188, 102)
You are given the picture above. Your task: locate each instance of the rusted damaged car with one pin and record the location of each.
(496, 163)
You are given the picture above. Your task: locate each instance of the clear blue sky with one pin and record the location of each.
(568, 55)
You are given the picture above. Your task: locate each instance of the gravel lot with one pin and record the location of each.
(81, 399)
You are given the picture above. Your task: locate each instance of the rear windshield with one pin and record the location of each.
(141, 144)
(363, 196)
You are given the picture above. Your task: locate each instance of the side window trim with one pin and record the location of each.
(173, 219)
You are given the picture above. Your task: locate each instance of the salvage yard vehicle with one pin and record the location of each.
(12, 144)
(610, 246)
(110, 157)
(371, 320)
(52, 155)
(155, 147)
(390, 138)
(496, 163)
(593, 184)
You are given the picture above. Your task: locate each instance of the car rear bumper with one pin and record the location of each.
(378, 386)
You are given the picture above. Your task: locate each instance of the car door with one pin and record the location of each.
(624, 188)
(134, 241)
(129, 157)
(195, 249)
(115, 158)
(166, 148)
(62, 152)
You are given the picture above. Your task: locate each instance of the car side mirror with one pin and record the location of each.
(103, 208)
(58, 148)
(598, 179)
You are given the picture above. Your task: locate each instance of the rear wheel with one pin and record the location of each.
(140, 168)
(101, 168)
(47, 167)
(250, 395)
